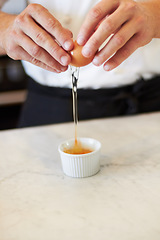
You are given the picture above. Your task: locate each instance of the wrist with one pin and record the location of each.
(5, 22)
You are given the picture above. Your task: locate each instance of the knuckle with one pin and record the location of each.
(40, 37)
(96, 12)
(52, 23)
(107, 25)
(35, 51)
(54, 51)
(119, 39)
(129, 6)
(34, 61)
(19, 20)
(35, 7)
(67, 32)
(140, 21)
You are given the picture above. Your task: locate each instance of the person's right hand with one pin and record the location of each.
(37, 37)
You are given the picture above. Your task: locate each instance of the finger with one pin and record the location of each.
(46, 41)
(23, 55)
(107, 27)
(51, 25)
(123, 53)
(95, 15)
(117, 41)
(38, 53)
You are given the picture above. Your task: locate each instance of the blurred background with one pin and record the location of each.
(13, 80)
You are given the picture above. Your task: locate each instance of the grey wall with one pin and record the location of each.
(14, 6)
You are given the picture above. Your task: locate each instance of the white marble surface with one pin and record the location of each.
(121, 202)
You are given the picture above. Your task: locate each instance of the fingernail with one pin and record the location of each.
(80, 40)
(96, 62)
(64, 60)
(107, 67)
(86, 52)
(68, 45)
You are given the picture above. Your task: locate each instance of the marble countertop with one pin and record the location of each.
(121, 202)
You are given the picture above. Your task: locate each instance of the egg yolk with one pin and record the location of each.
(77, 59)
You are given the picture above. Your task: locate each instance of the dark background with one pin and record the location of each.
(13, 83)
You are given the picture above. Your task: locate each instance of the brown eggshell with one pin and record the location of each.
(77, 59)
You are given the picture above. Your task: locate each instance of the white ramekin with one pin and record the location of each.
(80, 165)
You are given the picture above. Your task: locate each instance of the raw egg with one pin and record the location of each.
(77, 59)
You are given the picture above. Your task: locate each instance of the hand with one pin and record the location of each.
(129, 25)
(37, 37)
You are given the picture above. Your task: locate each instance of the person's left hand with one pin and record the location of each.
(130, 25)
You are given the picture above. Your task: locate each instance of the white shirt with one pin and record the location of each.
(144, 62)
